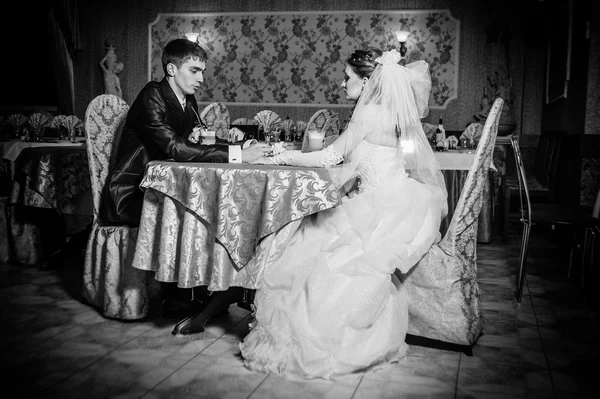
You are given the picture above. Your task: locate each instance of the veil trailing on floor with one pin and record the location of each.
(389, 113)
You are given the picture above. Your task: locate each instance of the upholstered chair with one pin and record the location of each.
(244, 121)
(216, 117)
(442, 288)
(110, 283)
(326, 121)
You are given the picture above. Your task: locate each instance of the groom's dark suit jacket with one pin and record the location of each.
(156, 128)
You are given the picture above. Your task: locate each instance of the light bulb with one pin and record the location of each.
(402, 35)
(192, 36)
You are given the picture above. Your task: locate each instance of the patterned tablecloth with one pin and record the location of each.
(202, 223)
(52, 177)
(455, 180)
(46, 177)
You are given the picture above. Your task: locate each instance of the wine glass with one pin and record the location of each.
(276, 133)
(297, 134)
(267, 135)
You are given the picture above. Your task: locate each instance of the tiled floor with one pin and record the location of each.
(54, 346)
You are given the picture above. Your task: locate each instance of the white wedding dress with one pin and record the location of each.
(328, 306)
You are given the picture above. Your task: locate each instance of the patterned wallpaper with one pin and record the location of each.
(297, 58)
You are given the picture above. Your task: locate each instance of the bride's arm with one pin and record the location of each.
(327, 157)
(331, 155)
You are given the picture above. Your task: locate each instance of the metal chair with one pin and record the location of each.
(548, 214)
(541, 182)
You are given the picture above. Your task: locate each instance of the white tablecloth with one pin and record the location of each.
(12, 149)
(457, 159)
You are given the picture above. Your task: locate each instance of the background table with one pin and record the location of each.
(202, 223)
(455, 165)
(42, 184)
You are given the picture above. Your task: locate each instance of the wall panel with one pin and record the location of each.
(127, 22)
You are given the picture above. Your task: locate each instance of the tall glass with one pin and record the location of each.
(315, 139)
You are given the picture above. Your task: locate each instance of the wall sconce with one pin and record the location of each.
(402, 35)
(192, 36)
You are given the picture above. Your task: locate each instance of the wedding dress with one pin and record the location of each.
(328, 306)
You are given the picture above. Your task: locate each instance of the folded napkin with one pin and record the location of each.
(451, 142)
(57, 121)
(38, 122)
(267, 120)
(216, 117)
(301, 126)
(16, 121)
(72, 123)
(287, 124)
(472, 132)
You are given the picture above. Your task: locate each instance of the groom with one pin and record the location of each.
(157, 127)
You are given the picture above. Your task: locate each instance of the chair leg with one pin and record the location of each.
(523, 260)
(505, 213)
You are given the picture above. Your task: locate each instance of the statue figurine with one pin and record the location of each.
(111, 68)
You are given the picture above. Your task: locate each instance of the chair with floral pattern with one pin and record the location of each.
(326, 121)
(109, 281)
(216, 117)
(244, 121)
(442, 288)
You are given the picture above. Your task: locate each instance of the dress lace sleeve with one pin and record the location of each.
(331, 157)
(325, 158)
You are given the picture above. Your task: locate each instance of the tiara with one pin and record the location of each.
(359, 58)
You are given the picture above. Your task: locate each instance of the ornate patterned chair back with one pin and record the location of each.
(244, 121)
(326, 121)
(216, 117)
(467, 210)
(104, 119)
(442, 288)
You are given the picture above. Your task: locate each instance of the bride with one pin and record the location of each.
(328, 305)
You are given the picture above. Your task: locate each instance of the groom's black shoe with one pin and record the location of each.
(217, 305)
(172, 309)
(182, 302)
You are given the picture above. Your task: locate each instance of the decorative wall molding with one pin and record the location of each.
(297, 58)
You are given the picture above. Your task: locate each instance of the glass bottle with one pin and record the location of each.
(440, 136)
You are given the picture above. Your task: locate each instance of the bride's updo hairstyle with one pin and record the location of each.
(362, 62)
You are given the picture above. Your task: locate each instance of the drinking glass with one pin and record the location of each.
(276, 132)
(297, 134)
(315, 139)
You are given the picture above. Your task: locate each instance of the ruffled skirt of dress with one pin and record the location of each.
(327, 307)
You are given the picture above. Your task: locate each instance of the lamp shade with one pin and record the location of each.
(192, 36)
(402, 35)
